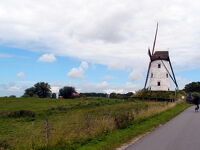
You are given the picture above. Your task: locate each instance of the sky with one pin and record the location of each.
(95, 46)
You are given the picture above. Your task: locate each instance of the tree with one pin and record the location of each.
(192, 87)
(67, 91)
(42, 89)
(53, 95)
(30, 92)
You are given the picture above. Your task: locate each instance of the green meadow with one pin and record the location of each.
(76, 123)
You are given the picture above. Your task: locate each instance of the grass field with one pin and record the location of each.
(73, 124)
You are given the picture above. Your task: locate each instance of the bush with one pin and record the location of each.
(3, 145)
(21, 113)
(12, 96)
(122, 120)
(155, 95)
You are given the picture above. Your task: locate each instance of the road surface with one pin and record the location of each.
(181, 133)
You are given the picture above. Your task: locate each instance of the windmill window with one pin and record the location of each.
(167, 75)
(159, 65)
(151, 75)
(158, 83)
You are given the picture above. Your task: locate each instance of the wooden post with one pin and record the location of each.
(47, 133)
(87, 122)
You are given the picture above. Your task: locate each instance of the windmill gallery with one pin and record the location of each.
(160, 73)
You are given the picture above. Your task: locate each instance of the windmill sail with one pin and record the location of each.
(154, 43)
(173, 74)
(147, 75)
(149, 52)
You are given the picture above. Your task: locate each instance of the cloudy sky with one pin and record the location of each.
(94, 45)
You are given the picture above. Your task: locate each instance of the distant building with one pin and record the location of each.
(75, 95)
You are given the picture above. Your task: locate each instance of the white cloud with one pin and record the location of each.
(108, 77)
(125, 88)
(17, 88)
(21, 75)
(14, 88)
(55, 89)
(47, 58)
(114, 91)
(135, 76)
(84, 65)
(103, 85)
(78, 73)
(117, 38)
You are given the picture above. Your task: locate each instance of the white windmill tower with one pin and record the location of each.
(160, 72)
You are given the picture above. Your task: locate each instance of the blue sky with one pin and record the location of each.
(95, 46)
(98, 78)
(14, 61)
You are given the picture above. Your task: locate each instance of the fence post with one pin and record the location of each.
(88, 119)
(47, 131)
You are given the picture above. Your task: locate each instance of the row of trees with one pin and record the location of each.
(93, 94)
(112, 95)
(43, 90)
(121, 96)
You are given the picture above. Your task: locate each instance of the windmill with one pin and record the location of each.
(160, 72)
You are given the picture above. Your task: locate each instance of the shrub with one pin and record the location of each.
(4, 145)
(155, 95)
(21, 113)
(122, 120)
(12, 96)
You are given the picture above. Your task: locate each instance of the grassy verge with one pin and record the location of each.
(95, 123)
(119, 137)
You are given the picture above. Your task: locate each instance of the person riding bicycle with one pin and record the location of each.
(196, 101)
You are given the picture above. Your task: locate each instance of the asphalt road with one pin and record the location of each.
(181, 133)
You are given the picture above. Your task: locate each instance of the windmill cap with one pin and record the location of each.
(163, 55)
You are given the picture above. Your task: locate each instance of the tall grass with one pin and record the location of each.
(72, 122)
